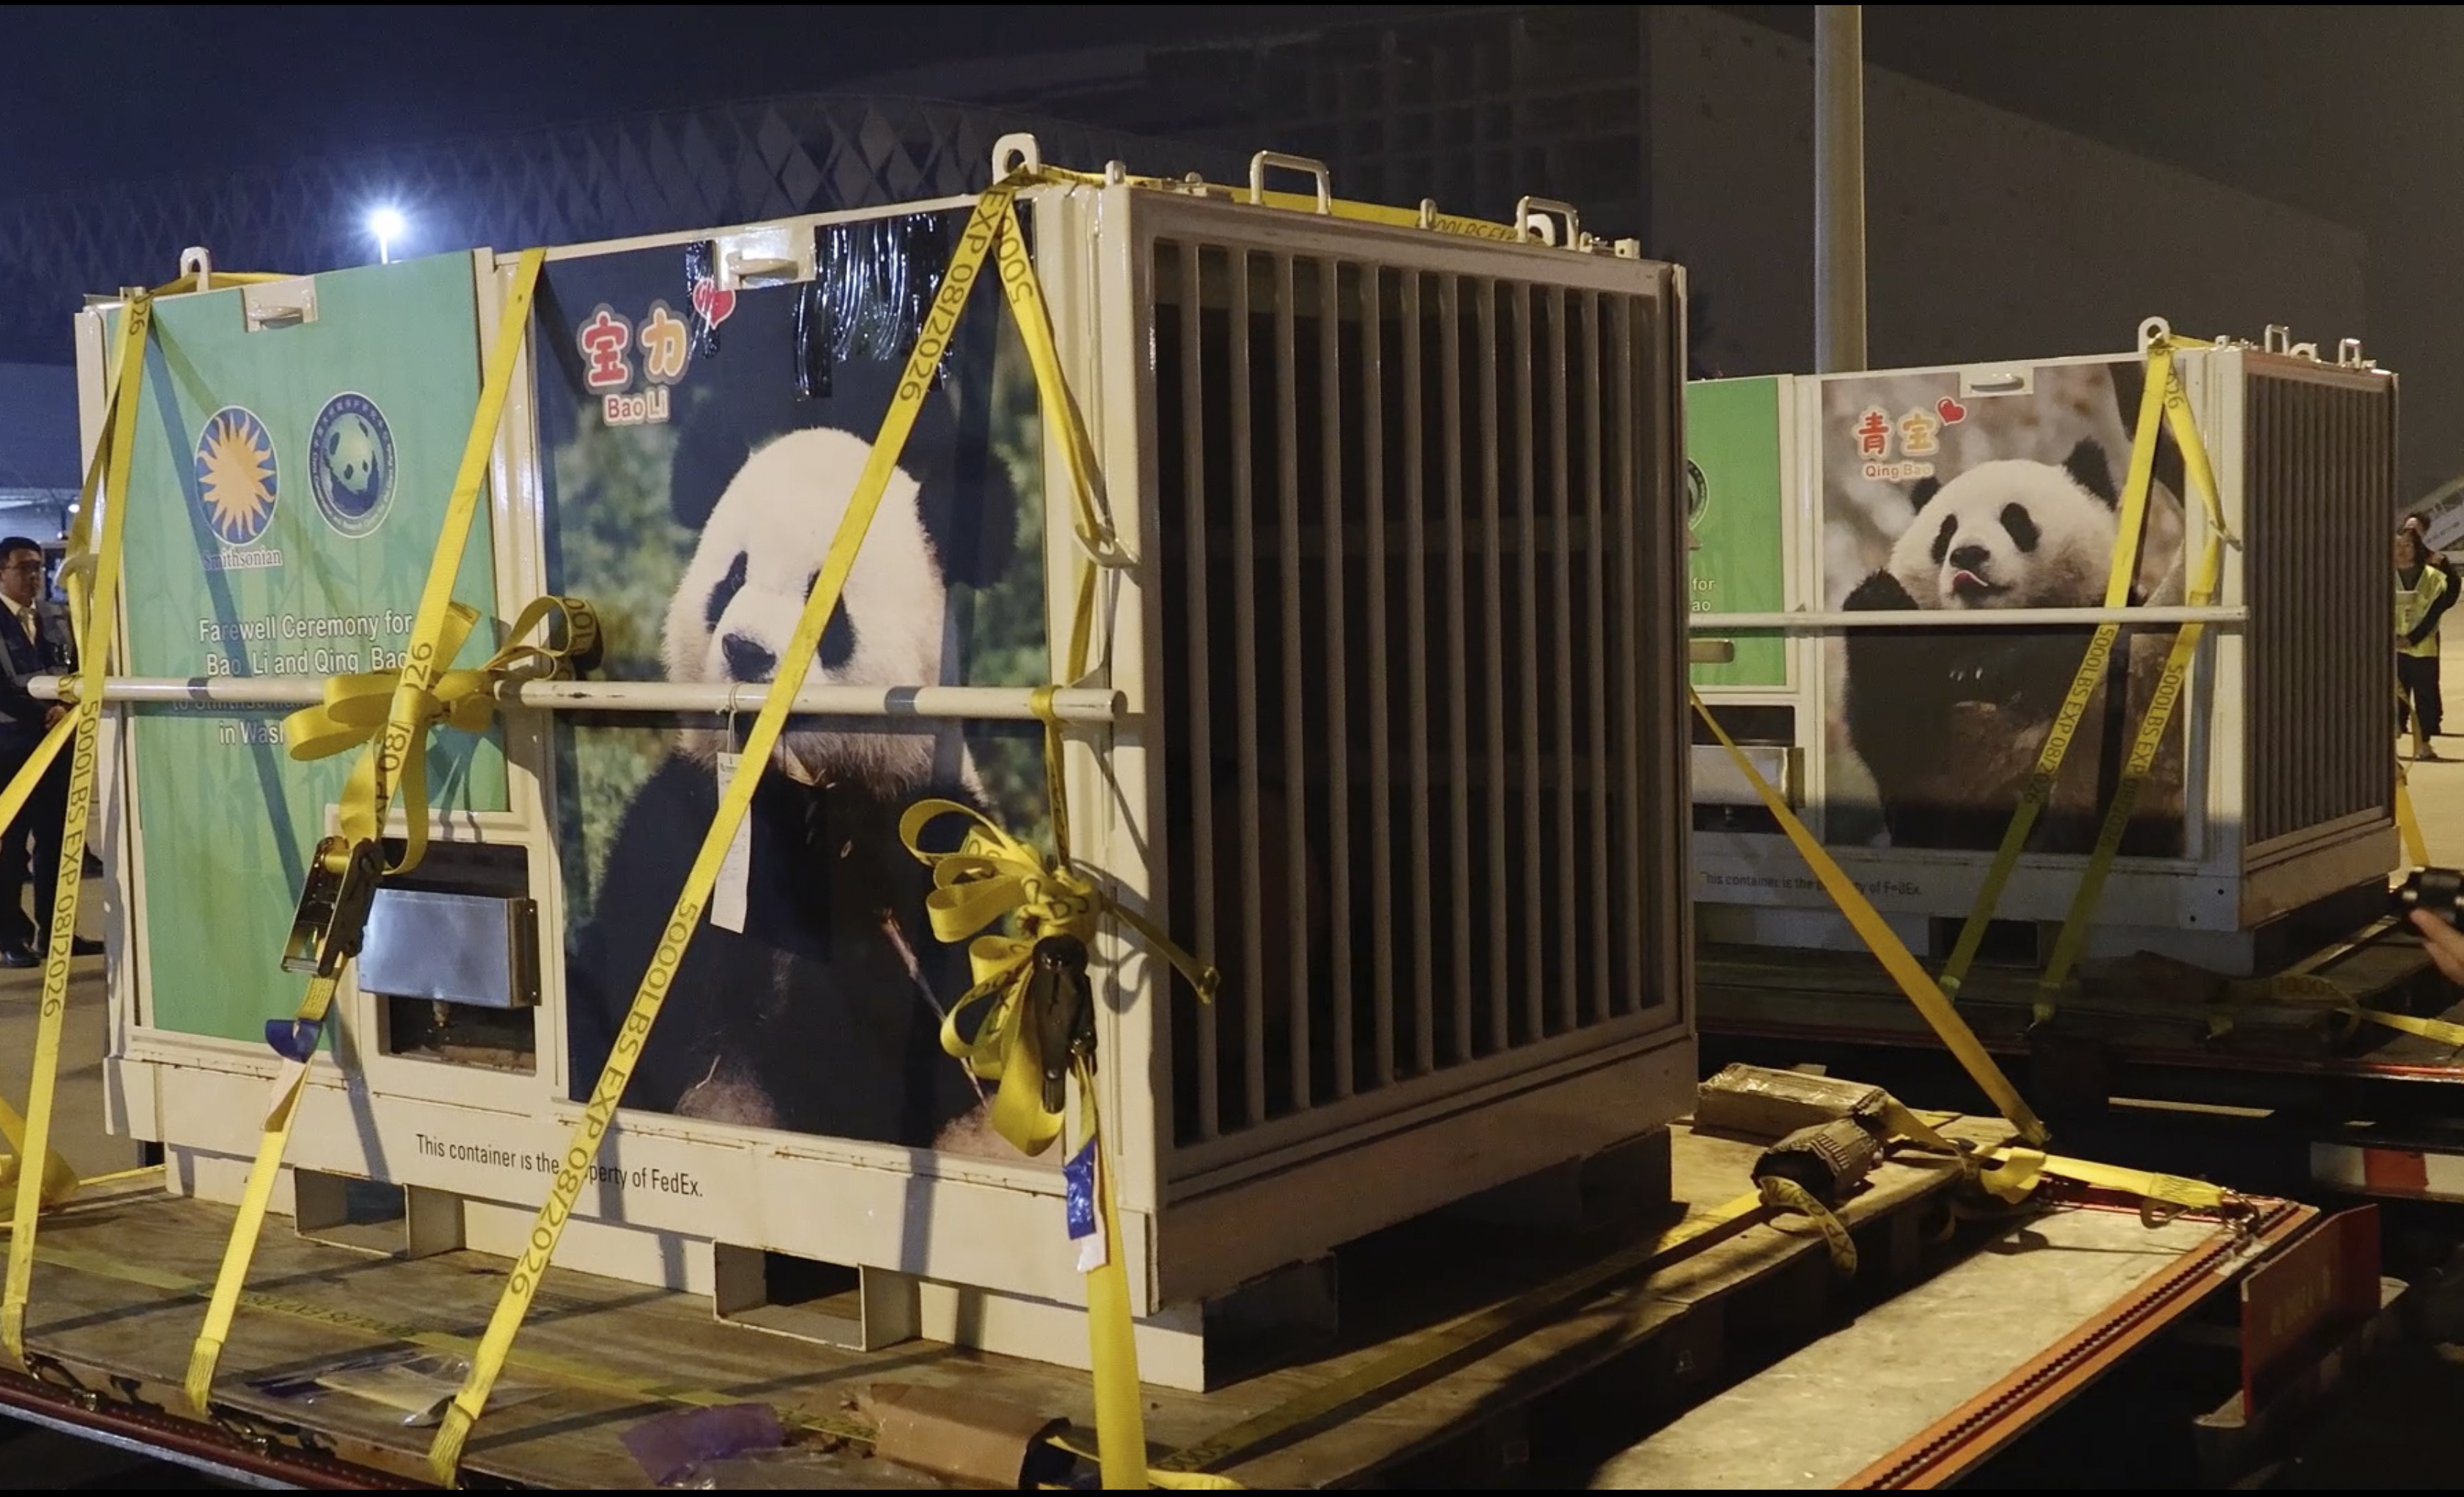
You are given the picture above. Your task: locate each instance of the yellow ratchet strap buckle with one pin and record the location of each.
(334, 907)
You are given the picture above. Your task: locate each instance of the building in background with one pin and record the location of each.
(38, 450)
(1989, 235)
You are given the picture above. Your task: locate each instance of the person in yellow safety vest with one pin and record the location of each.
(2419, 590)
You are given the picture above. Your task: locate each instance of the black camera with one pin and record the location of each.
(2438, 890)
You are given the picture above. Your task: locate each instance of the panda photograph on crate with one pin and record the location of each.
(696, 466)
(1939, 497)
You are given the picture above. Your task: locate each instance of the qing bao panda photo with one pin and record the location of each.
(1939, 498)
(810, 1000)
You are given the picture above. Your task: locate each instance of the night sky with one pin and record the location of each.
(139, 92)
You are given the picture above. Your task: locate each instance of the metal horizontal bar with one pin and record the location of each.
(1810, 622)
(1006, 703)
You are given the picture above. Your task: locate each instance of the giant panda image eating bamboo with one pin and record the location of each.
(820, 1015)
(1949, 721)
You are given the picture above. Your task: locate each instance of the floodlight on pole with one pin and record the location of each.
(387, 226)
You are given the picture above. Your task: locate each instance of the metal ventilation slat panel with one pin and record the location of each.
(1419, 556)
(2318, 509)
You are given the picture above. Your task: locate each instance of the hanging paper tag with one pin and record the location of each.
(728, 896)
(1083, 1213)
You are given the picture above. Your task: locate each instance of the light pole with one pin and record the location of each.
(1838, 187)
(387, 226)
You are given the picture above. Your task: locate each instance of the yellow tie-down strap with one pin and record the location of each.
(522, 1284)
(2010, 1174)
(2437, 1030)
(423, 694)
(2416, 851)
(2014, 1172)
(2305, 987)
(2122, 569)
(2017, 1166)
(991, 877)
(92, 576)
(2164, 407)
(1034, 982)
(59, 1180)
(1885, 945)
(2164, 379)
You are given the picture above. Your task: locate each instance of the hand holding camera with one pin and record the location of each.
(2434, 898)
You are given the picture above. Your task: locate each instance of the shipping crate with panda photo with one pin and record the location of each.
(1383, 721)
(1974, 491)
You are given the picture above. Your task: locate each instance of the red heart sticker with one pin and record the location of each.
(711, 304)
(1951, 412)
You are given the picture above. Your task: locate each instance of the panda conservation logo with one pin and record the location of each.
(1698, 495)
(351, 464)
(238, 477)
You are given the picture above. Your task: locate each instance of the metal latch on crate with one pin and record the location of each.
(773, 254)
(1718, 782)
(479, 950)
(278, 304)
(333, 911)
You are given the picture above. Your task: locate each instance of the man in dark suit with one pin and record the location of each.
(34, 641)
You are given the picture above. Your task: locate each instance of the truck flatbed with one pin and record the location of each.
(2144, 1029)
(1469, 1351)
(121, 1275)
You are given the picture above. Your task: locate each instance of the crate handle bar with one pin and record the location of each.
(1531, 222)
(1014, 150)
(991, 704)
(746, 267)
(1317, 169)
